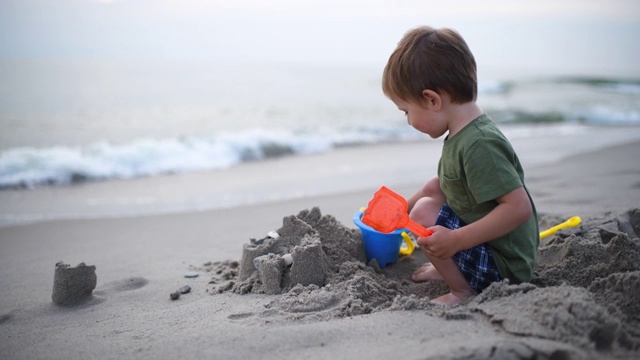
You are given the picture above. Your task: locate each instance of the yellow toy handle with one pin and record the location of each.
(407, 250)
(572, 222)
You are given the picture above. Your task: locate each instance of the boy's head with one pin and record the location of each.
(431, 59)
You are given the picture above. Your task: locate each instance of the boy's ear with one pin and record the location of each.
(432, 99)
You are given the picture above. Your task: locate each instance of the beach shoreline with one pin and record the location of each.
(356, 169)
(140, 260)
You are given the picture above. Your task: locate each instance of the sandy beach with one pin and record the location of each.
(581, 303)
(179, 179)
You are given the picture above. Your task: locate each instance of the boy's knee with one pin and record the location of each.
(425, 212)
(432, 188)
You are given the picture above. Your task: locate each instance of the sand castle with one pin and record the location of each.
(294, 254)
(73, 284)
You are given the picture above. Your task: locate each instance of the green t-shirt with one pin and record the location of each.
(477, 166)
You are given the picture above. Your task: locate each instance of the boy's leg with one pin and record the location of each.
(450, 272)
(424, 206)
(469, 271)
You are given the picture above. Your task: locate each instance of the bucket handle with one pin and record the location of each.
(407, 250)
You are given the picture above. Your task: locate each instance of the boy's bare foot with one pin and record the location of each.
(451, 299)
(426, 272)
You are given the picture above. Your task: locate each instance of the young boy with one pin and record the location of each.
(483, 219)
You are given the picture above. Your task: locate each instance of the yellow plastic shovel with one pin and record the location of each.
(572, 222)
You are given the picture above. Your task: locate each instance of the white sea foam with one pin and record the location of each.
(27, 167)
(624, 88)
(494, 87)
(607, 115)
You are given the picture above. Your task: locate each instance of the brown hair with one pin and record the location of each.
(434, 59)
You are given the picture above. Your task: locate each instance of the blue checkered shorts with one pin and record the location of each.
(476, 264)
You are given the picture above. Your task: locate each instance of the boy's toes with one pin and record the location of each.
(447, 300)
(418, 275)
(426, 272)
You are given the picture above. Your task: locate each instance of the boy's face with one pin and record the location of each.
(423, 117)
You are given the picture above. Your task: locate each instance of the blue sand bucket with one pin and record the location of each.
(384, 247)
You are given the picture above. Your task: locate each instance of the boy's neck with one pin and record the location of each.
(460, 115)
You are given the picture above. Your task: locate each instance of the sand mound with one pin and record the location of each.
(598, 248)
(581, 294)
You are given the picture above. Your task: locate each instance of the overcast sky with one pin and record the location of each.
(543, 33)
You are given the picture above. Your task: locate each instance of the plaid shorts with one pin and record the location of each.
(476, 264)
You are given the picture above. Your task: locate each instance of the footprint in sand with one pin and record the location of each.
(101, 293)
(127, 284)
(5, 317)
(240, 316)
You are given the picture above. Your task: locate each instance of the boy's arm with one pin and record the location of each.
(514, 209)
(430, 189)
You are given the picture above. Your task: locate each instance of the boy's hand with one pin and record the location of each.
(440, 244)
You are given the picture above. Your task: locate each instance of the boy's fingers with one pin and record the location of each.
(423, 241)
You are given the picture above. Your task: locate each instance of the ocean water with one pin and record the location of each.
(94, 90)
(70, 122)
